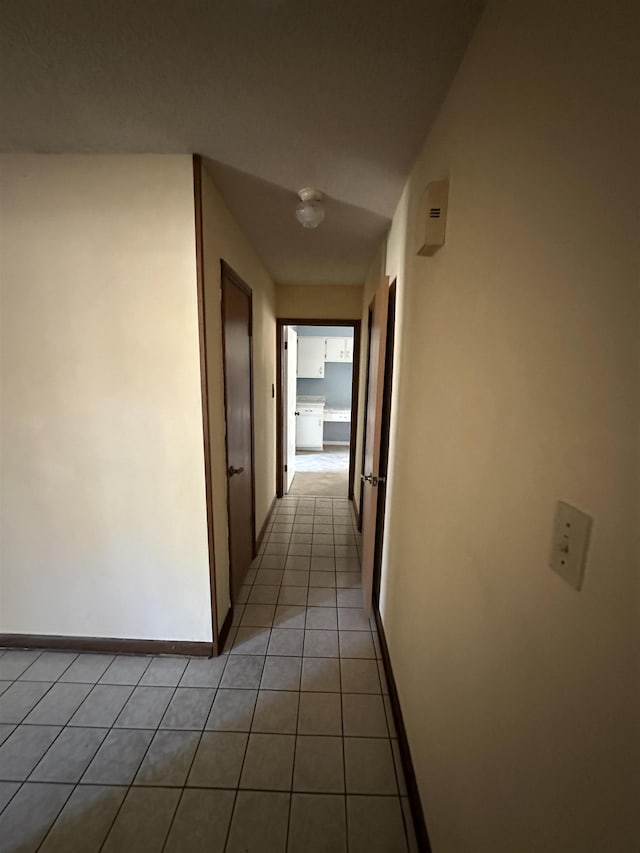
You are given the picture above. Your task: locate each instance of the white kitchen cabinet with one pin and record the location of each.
(348, 349)
(311, 357)
(335, 349)
(340, 349)
(309, 428)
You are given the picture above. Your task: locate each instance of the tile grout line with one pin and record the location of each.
(246, 749)
(21, 782)
(17, 725)
(295, 736)
(155, 732)
(130, 785)
(165, 787)
(72, 661)
(344, 760)
(344, 745)
(76, 784)
(191, 763)
(244, 757)
(197, 730)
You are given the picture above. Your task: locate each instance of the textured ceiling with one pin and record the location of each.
(280, 94)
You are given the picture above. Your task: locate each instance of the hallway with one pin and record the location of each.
(232, 232)
(284, 743)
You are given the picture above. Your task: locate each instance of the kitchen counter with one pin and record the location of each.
(310, 400)
(337, 415)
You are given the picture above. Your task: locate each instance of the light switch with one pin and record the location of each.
(571, 534)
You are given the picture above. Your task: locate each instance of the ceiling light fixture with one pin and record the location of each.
(310, 210)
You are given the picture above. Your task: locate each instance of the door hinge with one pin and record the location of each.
(286, 345)
(286, 467)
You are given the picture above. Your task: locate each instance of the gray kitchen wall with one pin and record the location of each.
(335, 387)
(336, 432)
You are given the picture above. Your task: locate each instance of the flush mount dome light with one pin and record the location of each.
(310, 210)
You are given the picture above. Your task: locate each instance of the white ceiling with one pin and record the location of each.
(280, 94)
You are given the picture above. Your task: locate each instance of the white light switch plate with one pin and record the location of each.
(571, 534)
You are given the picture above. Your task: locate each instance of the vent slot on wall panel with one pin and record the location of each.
(432, 217)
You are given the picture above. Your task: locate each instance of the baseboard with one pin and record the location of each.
(113, 645)
(263, 529)
(224, 631)
(337, 443)
(420, 826)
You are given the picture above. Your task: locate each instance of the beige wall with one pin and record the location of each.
(517, 385)
(224, 240)
(317, 302)
(103, 514)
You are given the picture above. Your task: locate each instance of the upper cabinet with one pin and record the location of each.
(314, 351)
(340, 349)
(311, 357)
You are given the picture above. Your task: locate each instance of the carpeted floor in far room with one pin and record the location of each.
(322, 473)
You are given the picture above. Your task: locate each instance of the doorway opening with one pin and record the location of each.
(317, 403)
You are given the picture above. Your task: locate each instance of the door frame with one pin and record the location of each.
(385, 430)
(228, 272)
(217, 631)
(285, 414)
(281, 322)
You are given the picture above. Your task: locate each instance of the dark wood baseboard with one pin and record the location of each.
(114, 645)
(224, 631)
(420, 826)
(263, 529)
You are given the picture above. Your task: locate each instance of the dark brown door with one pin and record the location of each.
(372, 438)
(366, 411)
(238, 388)
(385, 429)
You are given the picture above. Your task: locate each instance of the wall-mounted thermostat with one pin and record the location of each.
(432, 217)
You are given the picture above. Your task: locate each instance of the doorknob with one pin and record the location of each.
(371, 478)
(233, 470)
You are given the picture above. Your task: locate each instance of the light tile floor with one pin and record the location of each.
(284, 743)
